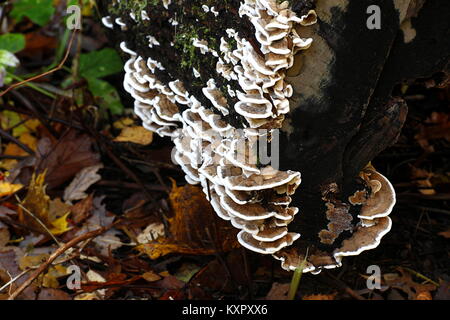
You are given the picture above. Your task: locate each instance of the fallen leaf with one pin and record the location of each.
(278, 291)
(7, 188)
(404, 282)
(4, 235)
(52, 213)
(52, 294)
(60, 225)
(9, 268)
(37, 202)
(320, 297)
(82, 181)
(443, 293)
(123, 123)
(186, 272)
(194, 228)
(12, 149)
(82, 209)
(100, 218)
(150, 276)
(424, 295)
(135, 134)
(445, 234)
(64, 158)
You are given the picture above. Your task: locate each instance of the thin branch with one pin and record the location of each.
(55, 255)
(18, 84)
(22, 146)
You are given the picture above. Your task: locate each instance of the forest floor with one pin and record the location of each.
(87, 194)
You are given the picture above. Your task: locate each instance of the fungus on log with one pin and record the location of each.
(228, 79)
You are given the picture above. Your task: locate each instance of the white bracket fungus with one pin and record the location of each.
(214, 154)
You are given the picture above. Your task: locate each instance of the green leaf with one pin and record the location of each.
(97, 64)
(12, 42)
(105, 94)
(38, 11)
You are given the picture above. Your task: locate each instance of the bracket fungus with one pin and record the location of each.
(217, 116)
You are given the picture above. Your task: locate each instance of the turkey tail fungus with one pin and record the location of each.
(226, 79)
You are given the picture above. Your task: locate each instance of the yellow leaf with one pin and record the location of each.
(123, 122)
(50, 279)
(60, 225)
(7, 188)
(320, 296)
(156, 250)
(37, 202)
(135, 134)
(13, 149)
(150, 276)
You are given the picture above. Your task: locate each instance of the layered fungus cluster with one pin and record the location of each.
(220, 95)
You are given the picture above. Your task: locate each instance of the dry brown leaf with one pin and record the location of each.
(320, 296)
(64, 158)
(82, 181)
(424, 295)
(445, 234)
(82, 209)
(101, 218)
(52, 294)
(9, 268)
(150, 276)
(278, 291)
(405, 282)
(4, 235)
(194, 228)
(135, 134)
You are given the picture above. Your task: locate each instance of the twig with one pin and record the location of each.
(15, 85)
(16, 141)
(419, 275)
(33, 110)
(55, 255)
(10, 282)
